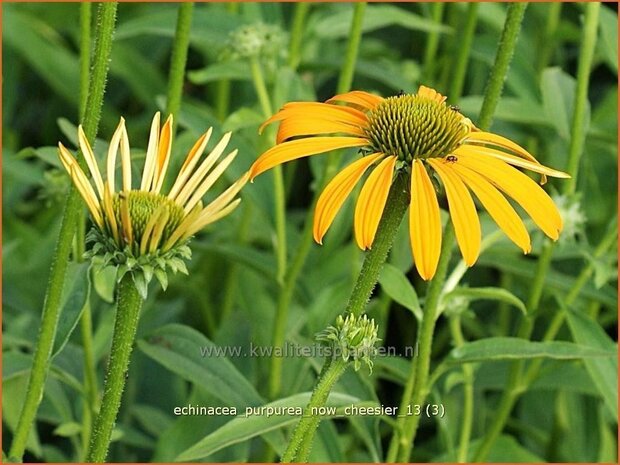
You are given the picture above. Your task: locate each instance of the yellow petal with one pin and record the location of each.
(520, 187)
(424, 222)
(112, 152)
(190, 161)
(205, 219)
(126, 225)
(110, 218)
(371, 202)
(151, 155)
(336, 192)
(431, 94)
(295, 149)
(358, 97)
(520, 162)
(158, 230)
(498, 207)
(320, 111)
(462, 211)
(91, 161)
(163, 156)
(227, 196)
(125, 161)
(206, 184)
(291, 127)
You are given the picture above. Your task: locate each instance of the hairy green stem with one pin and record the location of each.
(125, 327)
(303, 249)
(505, 50)
(73, 205)
(416, 388)
(516, 379)
(432, 43)
(468, 393)
(85, 27)
(297, 29)
(178, 58)
(462, 58)
(298, 447)
(355, 36)
(578, 135)
(300, 443)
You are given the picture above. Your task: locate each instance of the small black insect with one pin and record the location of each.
(401, 93)
(454, 108)
(451, 158)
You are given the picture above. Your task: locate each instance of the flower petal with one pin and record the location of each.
(151, 155)
(371, 202)
(125, 161)
(424, 222)
(320, 111)
(462, 211)
(431, 94)
(498, 207)
(519, 186)
(91, 161)
(163, 155)
(358, 97)
(291, 127)
(190, 161)
(112, 152)
(336, 192)
(295, 149)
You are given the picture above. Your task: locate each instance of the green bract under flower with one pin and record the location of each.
(414, 126)
(142, 231)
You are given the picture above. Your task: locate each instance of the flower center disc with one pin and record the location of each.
(412, 126)
(142, 206)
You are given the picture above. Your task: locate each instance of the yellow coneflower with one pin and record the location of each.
(414, 133)
(140, 229)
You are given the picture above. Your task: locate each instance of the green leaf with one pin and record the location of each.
(558, 92)
(506, 348)
(243, 428)
(483, 293)
(603, 371)
(178, 348)
(608, 40)
(68, 429)
(397, 286)
(337, 25)
(235, 70)
(75, 295)
(104, 282)
(242, 118)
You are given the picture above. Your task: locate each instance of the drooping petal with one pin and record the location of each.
(320, 111)
(112, 152)
(535, 201)
(190, 161)
(358, 97)
(424, 222)
(192, 184)
(151, 155)
(520, 162)
(462, 210)
(336, 192)
(308, 126)
(91, 161)
(295, 149)
(432, 94)
(163, 156)
(498, 207)
(371, 202)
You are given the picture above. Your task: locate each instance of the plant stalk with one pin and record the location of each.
(60, 260)
(125, 327)
(462, 58)
(297, 29)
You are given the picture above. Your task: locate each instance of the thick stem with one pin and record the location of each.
(516, 377)
(178, 58)
(507, 43)
(73, 205)
(416, 388)
(462, 58)
(85, 22)
(300, 444)
(297, 29)
(125, 327)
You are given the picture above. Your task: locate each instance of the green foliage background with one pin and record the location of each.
(568, 413)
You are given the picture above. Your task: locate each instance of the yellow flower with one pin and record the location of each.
(414, 133)
(141, 229)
